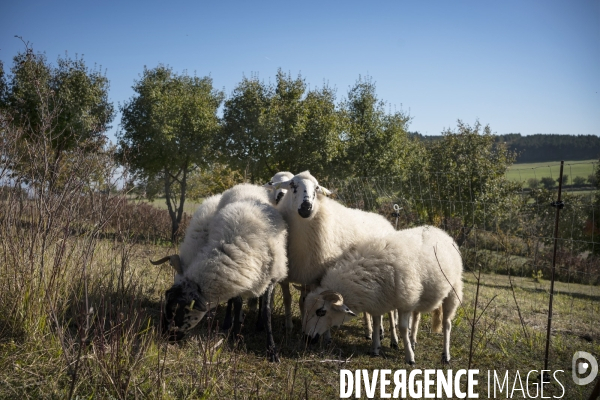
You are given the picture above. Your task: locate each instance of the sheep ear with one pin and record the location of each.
(278, 185)
(173, 260)
(324, 191)
(335, 298)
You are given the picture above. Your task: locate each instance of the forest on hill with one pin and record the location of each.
(543, 147)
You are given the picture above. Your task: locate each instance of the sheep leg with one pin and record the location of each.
(368, 326)
(381, 329)
(409, 355)
(376, 338)
(449, 306)
(393, 333)
(271, 349)
(227, 321)
(253, 303)
(416, 318)
(287, 303)
(238, 317)
(259, 321)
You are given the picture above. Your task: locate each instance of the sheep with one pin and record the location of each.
(414, 270)
(321, 230)
(276, 196)
(244, 255)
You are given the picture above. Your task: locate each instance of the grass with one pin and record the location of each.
(189, 207)
(525, 171)
(125, 357)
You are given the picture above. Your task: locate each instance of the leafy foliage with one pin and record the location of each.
(285, 126)
(466, 178)
(168, 130)
(375, 143)
(76, 95)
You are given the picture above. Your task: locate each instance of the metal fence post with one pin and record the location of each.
(559, 205)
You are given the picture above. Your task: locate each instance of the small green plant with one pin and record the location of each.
(537, 275)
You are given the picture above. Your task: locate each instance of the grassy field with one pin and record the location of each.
(124, 356)
(523, 172)
(189, 207)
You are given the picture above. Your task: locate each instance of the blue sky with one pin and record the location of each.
(519, 66)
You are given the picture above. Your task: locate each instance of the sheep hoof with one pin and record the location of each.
(394, 345)
(373, 354)
(368, 337)
(410, 362)
(445, 360)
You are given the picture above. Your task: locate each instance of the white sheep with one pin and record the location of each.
(276, 196)
(321, 230)
(415, 270)
(244, 256)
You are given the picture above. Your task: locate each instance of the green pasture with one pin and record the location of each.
(523, 172)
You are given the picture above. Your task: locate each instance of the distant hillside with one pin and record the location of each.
(552, 147)
(545, 147)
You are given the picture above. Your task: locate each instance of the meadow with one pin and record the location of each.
(88, 327)
(524, 172)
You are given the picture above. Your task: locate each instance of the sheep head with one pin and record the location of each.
(302, 197)
(277, 194)
(324, 309)
(184, 308)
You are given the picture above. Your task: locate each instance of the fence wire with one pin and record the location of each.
(506, 231)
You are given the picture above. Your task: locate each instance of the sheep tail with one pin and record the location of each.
(436, 320)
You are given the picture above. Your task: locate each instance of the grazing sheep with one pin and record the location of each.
(321, 230)
(415, 270)
(244, 255)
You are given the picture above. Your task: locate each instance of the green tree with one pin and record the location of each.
(169, 127)
(533, 183)
(70, 91)
(465, 179)
(547, 182)
(245, 140)
(375, 142)
(305, 126)
(271, 128)
(565, 179)
(579, 181)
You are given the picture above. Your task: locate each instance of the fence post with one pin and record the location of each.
(559, 205)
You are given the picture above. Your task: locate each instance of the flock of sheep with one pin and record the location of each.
(243, 242)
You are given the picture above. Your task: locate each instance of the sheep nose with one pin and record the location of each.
(305, 209)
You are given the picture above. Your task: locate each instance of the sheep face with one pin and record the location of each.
(323, 310)
(184, 308)
(303, 189)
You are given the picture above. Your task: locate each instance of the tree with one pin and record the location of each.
(465, 179)
(271, 128)
(304, 125)
(547, 182)
(245, 140)
(169, 127)
(533, 183)
(565, 179)
(375, 143)
(76, 96)
(579, 181)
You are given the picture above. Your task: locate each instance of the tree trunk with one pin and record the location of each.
(168, 194)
